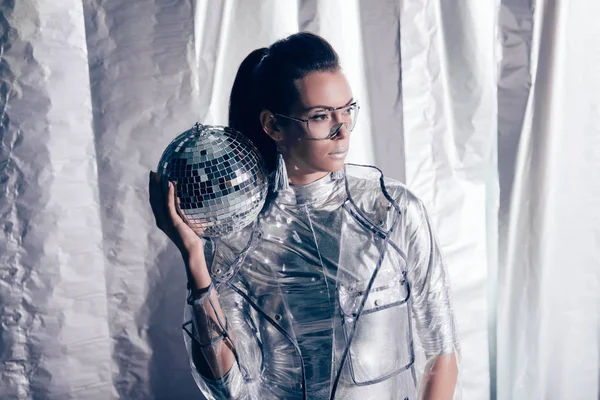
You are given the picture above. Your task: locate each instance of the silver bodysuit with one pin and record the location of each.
(323, 293)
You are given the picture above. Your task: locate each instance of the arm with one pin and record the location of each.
(431, 306)
(439, 381)
(212, 351)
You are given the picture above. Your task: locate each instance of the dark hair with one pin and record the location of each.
(265, 80)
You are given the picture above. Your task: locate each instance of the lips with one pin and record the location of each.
(339, 153)
(341, 150)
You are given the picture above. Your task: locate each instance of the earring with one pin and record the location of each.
(281, 176)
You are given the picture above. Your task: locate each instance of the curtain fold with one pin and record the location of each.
(55, 325)
(450, 103)
(549, 275)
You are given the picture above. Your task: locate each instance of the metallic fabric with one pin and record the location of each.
(221, 178)
(322, 293)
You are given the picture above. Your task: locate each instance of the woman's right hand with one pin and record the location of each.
(168, 219)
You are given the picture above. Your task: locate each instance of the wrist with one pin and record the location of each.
(197, 295)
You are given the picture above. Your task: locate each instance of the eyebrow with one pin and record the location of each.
(329, 107)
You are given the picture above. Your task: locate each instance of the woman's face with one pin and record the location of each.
(316, 92)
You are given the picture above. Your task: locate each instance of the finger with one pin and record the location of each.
(171, 203)
(178, 208)
(157, 198)
(161, 185)
(178, 205)
(153, 179)
(152, 188)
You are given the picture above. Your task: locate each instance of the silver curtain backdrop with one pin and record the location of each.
(488, 110)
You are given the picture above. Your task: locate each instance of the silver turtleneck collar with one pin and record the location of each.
(327, 190)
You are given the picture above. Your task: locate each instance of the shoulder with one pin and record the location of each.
(381, 199)
(367, 179)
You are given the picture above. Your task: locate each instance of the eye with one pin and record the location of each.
(350, 109)
(319, 117)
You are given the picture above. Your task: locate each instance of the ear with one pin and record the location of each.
(270, 126)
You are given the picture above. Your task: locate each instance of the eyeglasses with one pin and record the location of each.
(326, 124)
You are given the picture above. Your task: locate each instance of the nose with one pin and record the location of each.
(342, 124)
(342, 131)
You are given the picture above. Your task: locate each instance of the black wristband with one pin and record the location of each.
(196, 296)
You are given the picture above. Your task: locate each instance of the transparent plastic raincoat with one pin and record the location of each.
(323, 294)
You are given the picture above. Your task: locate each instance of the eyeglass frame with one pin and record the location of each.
(332, 135)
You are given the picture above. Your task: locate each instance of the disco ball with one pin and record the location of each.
(221, 179)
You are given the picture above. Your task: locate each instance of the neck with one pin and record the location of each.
(298, 179)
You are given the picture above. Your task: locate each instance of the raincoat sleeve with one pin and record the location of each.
(215, 319)
(431, 305)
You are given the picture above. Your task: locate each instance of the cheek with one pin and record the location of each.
(310, 152)
(291, 138)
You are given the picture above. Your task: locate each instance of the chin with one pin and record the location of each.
(334, 166)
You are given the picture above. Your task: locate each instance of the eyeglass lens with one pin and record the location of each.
(324, 123)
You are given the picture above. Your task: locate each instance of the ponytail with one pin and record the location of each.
(245, 108)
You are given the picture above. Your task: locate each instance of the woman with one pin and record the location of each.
(319, 297)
